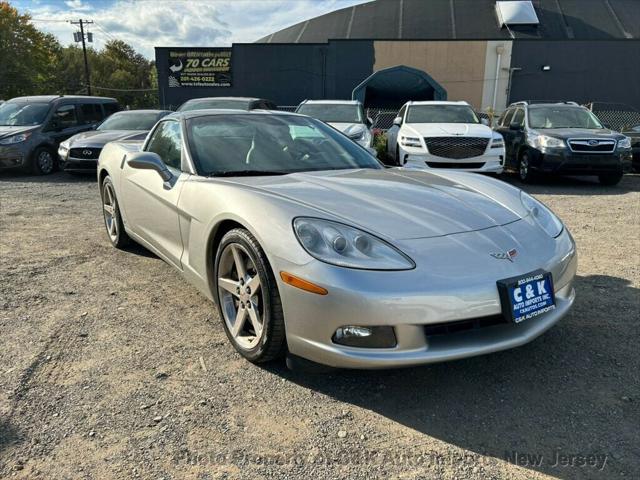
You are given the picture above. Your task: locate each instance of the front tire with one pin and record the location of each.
(112, 217)
(43, 161)
(610, 178)
(524, 169)
(248, 299)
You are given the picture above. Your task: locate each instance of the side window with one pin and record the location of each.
(401, 112)
(518, 118)
(506, 120)
(166, 141)
(91, 113)
(65, 116)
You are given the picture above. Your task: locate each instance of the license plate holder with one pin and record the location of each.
(526, 296)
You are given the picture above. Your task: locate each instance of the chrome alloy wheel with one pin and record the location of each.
(524, 167)
(240, 293)
(45, 162)
(109, 207)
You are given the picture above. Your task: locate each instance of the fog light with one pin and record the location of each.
(365, 337)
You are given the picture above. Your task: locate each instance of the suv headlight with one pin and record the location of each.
(544, 217)
(346, 246)
(357, 135)
(545, 141)
(624, 143)
(410, 142)
(20, 137)
(497, 141)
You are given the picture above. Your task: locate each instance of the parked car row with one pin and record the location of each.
(40, 133)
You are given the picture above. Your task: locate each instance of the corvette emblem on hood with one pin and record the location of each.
(505, 255)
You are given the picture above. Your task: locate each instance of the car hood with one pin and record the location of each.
(98, 138)
(565, 133)
(395, 203)
(348, 128)
(8, 131)
(449, 129)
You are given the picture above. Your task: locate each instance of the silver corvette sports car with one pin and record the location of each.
(309, 246)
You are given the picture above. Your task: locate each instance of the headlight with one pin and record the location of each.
(624, 143)
(357, 135)
(544, 141)
(21, 137)
(497, 141)
(544, 217)
(345, 246)
(410, 142)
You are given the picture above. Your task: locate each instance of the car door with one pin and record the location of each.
(392, 133)
(506, 132)
(516, 136)
(64, 123)
(150, 204)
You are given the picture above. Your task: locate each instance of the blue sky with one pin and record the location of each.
(149, 23)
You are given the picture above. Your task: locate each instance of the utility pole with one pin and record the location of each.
(81, 37)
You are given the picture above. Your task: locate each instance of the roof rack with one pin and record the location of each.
(534, 102)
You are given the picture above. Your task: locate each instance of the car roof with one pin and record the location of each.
(143, 110)
(205, 112)
(52, 98)
(330, 102)
(438, 102)
(204, 99)
(554, 104)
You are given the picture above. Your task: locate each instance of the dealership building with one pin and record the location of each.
(385, 52)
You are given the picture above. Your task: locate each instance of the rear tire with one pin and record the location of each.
(610, 178)
(247, 298)
(112, 217)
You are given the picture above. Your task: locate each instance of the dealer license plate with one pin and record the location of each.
(527, 296)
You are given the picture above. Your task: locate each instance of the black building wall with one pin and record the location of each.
(284, 73)
(583, 71)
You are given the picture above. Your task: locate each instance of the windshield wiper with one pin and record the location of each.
(245, 173)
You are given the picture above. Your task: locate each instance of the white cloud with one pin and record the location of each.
(147, 24)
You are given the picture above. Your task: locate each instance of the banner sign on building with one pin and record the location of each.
(200, 68)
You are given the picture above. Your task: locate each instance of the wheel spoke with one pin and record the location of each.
(254, 284)
(237, 259)
(112, 227)
(239, 323)
(230, 286)
(255, 321)
(108, 209)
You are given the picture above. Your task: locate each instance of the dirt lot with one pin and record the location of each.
(112, 366)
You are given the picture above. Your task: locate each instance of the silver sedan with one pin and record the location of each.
(309, 246)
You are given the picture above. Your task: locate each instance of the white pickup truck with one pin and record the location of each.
(444, 135)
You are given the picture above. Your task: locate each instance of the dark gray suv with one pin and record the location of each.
(31, 128)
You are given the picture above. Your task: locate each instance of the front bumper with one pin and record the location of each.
(12, 157)
(78, 165)
(564, 162)
(490, 162)
(460, 284)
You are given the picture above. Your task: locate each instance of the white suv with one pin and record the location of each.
(344, 115)
(444, 135)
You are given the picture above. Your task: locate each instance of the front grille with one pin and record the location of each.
(85, 153)
(455, 165)
(592, 145)
(459, 326)
(456, 147)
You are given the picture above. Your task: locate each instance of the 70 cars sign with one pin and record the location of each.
(200, 68)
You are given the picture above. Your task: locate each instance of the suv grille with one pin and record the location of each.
(456, 147)
(592, 145)
(85, 153)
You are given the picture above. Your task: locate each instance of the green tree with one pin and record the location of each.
(26, 55)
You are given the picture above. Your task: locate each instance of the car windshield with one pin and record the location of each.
(332, 112)
(250, 144)
(228, 104)
(441, 114)
(130, 121)
(21, 114)
(562, 117)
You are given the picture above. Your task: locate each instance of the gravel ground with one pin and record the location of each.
(112, 366)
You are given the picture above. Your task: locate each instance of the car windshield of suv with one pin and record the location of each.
(130, 121)
(562, 117)
(255, 144)
(441, 114)
(23, 114)
(224, 104)
(332, 112)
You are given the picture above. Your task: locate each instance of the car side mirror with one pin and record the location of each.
(54, 125)
(149, 161)
(397, 121)
(515, 127)
(484, 121)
